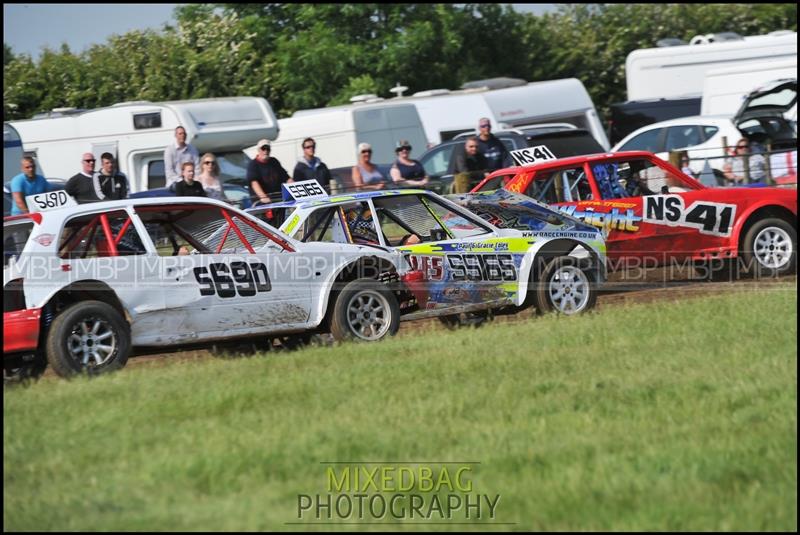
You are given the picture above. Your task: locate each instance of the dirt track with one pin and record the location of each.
(658, 285)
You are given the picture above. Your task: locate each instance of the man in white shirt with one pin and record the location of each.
(178, 153)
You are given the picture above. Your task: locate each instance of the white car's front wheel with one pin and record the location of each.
(88, 337)
(365, 310)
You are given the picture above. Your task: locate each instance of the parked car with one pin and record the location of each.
(84, 284)
(469, 265)
(438, 161)
(764, 118)
(653, 214)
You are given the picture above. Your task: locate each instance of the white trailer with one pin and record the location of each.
(138, 132)
(679, 71)
(724, 90)
(429, 117)
(12, 153)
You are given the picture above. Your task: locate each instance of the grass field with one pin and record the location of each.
(671, 416)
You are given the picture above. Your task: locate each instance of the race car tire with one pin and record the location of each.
(769, 248)
(365, 310)
(89, 337)
(466, 319)
(564, 288)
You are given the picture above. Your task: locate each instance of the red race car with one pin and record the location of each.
(654, 214)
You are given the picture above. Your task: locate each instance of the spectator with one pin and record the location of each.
(310, 167)
(189, 187)
(209, 177)
(175, 155)
(685, 165)
(405, 171)
(85, 185)
(491, 147)
(365, 174)
(113, 184)
(27, 183)
(265, 175)
(469, 166)
(734, 167)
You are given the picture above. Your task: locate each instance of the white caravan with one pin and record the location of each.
(429, 117)
(676, 71)
(138, 132)
(12, 153)
(724, 90)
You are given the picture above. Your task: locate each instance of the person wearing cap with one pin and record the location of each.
(491, 147)
(365, 174)
(265, 175)
(176, 154)
(309, 167)
(405, 171)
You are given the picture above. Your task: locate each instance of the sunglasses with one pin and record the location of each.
(264, 147)
(400, 149)
(485, 125)
(208, 162)
(309, 146)
(368, 151)
(90, 161)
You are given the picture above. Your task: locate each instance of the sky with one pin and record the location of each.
(29, 28)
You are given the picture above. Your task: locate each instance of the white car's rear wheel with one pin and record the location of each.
(565, 288)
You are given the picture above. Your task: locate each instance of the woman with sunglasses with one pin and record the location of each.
(209, 177)
(365, 174)
(734, 167)
(405, 171)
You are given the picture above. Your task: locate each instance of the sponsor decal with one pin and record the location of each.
(44, 239)
(561, 234)
(615, 219)
(715, 219)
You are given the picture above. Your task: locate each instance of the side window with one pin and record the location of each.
(438, 162)
(319, 226)
(458, 225)
(85, 236)
(15, 236)
(156, 177)
(709, 131)
(561, 185)
(200, 230)
(632, 178)
(645, 141)
(359, 224)
(679, 137)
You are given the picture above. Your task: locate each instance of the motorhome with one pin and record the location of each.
(429, 117)
(678, 71)
(12, 153)
(724, 90)
(138, 132)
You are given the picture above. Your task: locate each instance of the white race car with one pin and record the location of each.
(469, 265)
(83, 285)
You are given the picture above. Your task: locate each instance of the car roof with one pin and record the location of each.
(572, 160)
(338, 198)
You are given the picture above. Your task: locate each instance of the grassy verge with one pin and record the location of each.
(678, 416)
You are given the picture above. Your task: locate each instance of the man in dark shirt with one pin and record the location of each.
(85, 186)
(188, 186)
(265, 175)
(469, 166)
(312, 168)
(491, 147)
(113, 184)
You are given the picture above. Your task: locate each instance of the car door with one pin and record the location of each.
(222, 274)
